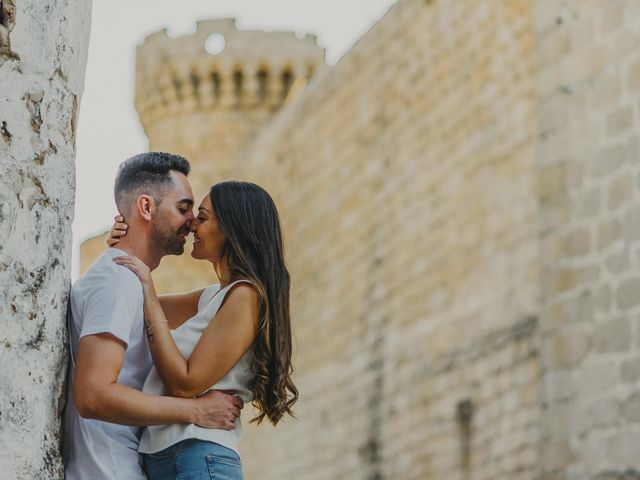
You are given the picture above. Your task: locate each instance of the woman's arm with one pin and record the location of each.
(97, 393)
(180, 307)
(227, 337)
(222, 344)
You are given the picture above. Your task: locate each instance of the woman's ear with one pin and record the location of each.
(146, 206)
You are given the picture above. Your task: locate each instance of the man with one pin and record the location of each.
(109, 355)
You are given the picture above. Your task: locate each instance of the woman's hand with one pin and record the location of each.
(118, 230)
(137, 266)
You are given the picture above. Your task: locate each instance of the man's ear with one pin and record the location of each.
(146, 206)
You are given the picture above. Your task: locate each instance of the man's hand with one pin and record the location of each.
(217, 409)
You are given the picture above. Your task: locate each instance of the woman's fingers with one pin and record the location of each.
(135, 265)
(130, 266)
(123, 261)
(119, 230)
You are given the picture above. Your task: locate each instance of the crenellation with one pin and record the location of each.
(231, 72)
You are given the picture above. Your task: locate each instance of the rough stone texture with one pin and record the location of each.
(588, 72)
(43, 48)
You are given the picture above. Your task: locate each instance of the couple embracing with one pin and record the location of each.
(157, 382)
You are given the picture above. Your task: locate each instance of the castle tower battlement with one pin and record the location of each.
(255, 71)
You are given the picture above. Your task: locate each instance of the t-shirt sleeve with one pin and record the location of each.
(114, 305)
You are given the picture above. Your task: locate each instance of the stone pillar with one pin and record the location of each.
(43, 51)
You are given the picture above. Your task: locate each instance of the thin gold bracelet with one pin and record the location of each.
(150, 327)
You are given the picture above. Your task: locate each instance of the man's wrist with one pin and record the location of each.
(192, 411)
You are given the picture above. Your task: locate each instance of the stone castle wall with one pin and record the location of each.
(588, 83)
(406, 180)
(460, 202)
(41, 81)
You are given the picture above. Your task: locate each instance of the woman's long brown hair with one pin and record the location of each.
(250, 222)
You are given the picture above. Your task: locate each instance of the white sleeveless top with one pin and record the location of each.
(158, 437)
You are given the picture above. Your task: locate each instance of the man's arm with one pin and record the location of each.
(97, 394)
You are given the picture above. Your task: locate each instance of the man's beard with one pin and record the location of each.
(171, 243)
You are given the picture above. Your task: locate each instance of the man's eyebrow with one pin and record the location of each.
(186, 200)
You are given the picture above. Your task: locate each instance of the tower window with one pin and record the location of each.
(237, 86)
(215, 82)
(287, 82)
(195, 83)
(177, 85)
(263, 79)
(215, 44)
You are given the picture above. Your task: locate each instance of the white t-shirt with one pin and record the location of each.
(107, 299)
(158, 437)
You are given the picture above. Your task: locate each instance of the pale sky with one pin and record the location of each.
(109, 131)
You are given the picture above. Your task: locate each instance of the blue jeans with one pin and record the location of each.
(193, 459)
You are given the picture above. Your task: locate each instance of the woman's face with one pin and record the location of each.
(208, 239)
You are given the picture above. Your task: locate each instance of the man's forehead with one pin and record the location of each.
(181, 189)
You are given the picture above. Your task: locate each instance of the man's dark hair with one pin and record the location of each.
(146, 173)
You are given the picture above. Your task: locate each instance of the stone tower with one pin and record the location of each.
(208, 107)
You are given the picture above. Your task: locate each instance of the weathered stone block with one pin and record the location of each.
(633, 77)
(628, 293)
(612, 336)
(630, 370)
(595, 377)
(618, 262)
(572, 346)
(631, 408)
(607, 160)
(620, 190)
(632, 224)
(620, 120)
(590, 202)
(622, 449)
(609, 231)
(604, 412)
(612, 17)
(578, 242)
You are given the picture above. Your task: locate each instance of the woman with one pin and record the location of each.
(232, 336)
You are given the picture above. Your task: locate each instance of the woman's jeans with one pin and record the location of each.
(193, 459)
